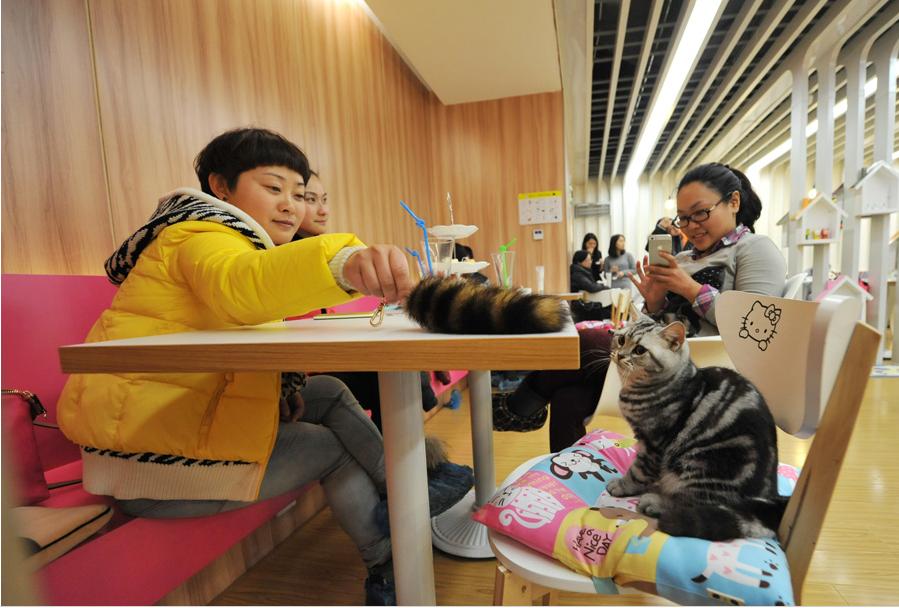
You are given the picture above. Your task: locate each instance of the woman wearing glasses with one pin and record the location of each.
(716, 209)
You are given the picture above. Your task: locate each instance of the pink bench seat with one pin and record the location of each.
(133, 561)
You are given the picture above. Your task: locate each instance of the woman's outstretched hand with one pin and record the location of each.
(379, 270)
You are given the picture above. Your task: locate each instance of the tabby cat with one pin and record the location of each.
(457, 306)
(707, 462)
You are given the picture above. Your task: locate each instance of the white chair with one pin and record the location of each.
(812, 373)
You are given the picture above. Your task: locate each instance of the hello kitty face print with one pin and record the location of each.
(760, 324)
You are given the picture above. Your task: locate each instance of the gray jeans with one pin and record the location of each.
(336, 443)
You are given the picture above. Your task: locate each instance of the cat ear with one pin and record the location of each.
(675, 334)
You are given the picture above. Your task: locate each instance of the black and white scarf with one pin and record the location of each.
(182, 205)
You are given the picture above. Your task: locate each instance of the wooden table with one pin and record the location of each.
(397, 350)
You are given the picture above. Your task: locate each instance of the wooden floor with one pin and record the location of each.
(856, 563)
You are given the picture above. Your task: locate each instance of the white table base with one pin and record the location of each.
(454, 530)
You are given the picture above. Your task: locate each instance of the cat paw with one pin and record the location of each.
(650, 505)
(617, 488)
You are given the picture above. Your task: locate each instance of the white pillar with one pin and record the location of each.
(883, 56)
(798, 158)
(854, 159)
(823, 158)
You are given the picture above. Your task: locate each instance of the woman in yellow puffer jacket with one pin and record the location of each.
(169, 445)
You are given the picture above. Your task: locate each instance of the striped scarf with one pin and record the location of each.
(182, 205)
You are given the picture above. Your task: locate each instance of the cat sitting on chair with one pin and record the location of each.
(707, 462)
(760, 323)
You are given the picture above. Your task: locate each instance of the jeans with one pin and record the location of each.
(573, 393)
(334, 442)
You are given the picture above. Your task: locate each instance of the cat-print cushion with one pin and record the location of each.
(560, 507)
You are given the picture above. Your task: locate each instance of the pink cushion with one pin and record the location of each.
(18, 435)
(560, 507)
(39, 314)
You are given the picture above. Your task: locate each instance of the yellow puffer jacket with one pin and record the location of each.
(143, 434)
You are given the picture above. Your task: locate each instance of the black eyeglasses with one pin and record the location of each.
(697, 217)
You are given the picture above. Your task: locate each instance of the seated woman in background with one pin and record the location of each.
(619, 262)
(717, 210)
(590, 244)
(582, 280)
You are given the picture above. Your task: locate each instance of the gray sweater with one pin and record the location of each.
(753, 264)
(625, 263)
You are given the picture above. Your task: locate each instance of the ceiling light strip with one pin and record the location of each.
(645, 52)
(739, 25)
(703, 15)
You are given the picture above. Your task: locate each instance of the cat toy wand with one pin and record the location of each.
(424, 231)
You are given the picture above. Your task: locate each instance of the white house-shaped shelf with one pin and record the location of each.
(878, 189)
(819, 222)
(784, 222)
(846, 287)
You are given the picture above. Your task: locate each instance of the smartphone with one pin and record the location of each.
(657, 243)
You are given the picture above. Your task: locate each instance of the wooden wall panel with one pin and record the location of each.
(55, 210)
(172, 74)
(489, 152)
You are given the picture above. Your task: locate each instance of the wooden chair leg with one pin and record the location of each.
(509, 589)
(549, 597)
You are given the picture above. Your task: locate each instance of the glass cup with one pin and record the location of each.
(503, 265)
(446, 248)
(442, 251)
(430, 247)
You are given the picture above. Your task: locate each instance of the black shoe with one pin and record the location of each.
(505, 419)
(448, 483)
(379, 586)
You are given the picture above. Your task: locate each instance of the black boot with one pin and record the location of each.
(504, 419)
(379, 586)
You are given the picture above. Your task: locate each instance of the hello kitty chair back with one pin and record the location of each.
(811, 361)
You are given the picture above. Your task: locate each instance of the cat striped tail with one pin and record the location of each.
(754, 519)
(456, 306)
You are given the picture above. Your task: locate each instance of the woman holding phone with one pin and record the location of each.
(716, 209)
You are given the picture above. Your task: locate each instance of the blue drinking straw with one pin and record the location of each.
(417, 257)
(424, 231)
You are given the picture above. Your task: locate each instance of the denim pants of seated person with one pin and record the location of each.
(335, 442)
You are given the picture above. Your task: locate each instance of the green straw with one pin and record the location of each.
(504, 271)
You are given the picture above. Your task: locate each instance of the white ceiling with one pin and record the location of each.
(474, 50)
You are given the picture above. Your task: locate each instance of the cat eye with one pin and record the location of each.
(620, 340)
(639, 350)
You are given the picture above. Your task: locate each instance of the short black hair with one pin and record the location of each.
(240, 150)
(579, 256)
